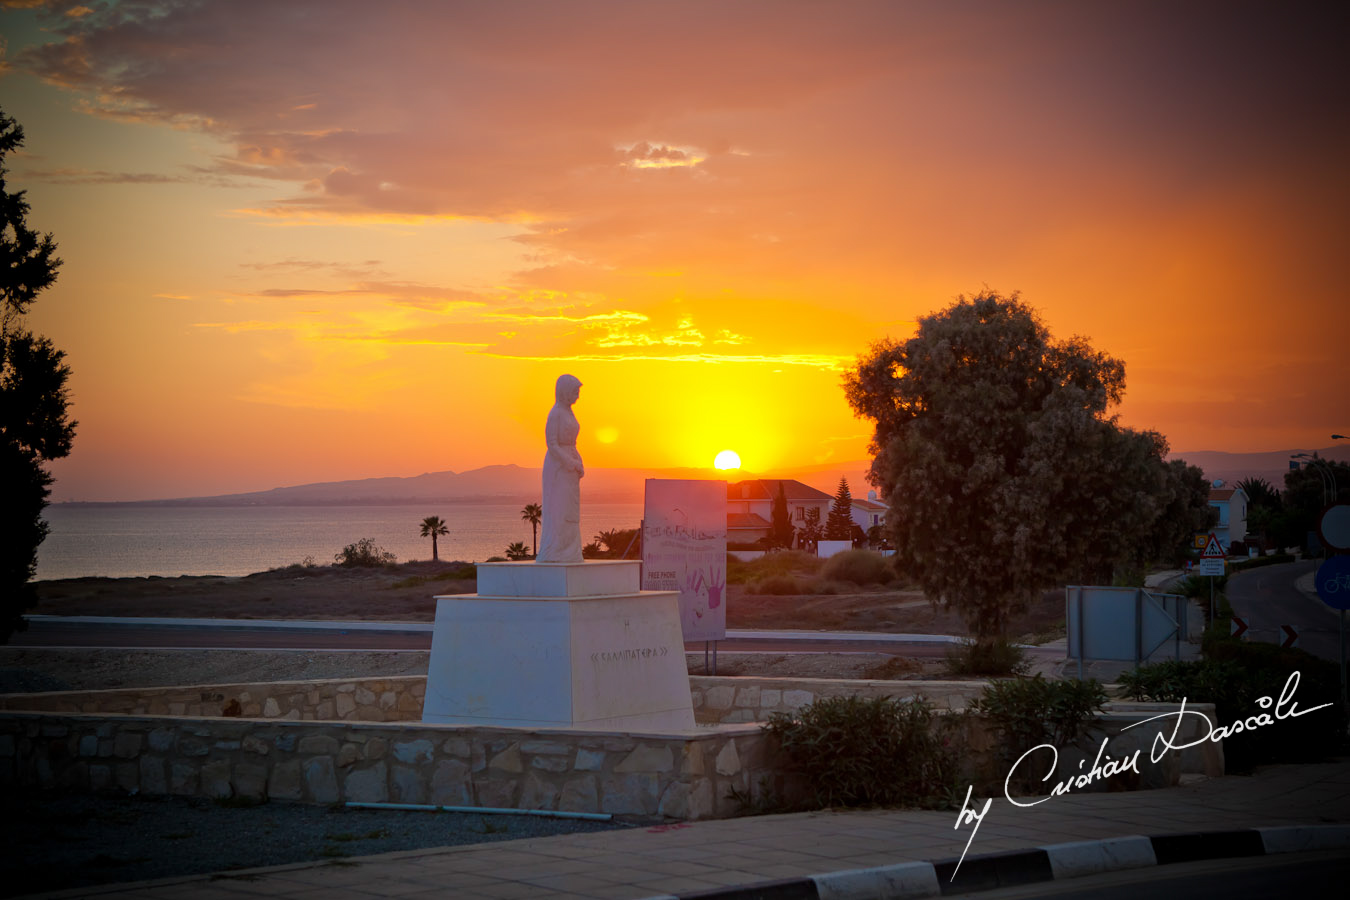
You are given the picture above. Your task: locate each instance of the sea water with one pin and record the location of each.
(121, 541)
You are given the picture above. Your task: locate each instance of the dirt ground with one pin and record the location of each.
(405, 593)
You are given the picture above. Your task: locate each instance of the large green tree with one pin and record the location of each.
(34, 425)
(1008, 473)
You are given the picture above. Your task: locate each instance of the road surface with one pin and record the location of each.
(1304, 876)
(76, 631)
(1267, 598)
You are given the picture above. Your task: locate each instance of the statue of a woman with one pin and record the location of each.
(560, 530)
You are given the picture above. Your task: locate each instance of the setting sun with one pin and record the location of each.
(727, 459)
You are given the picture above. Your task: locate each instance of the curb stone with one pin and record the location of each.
(1017, 867)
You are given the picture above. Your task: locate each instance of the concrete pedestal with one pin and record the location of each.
(559, 645)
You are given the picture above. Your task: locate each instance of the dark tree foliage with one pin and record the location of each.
(1260, 492)
(780, 532)
(839, 524)
(34, 425)
(1005, 472)
(810, 532)
(1307, 491)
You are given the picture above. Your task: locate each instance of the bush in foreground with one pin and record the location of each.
(1233, 676)
(1027, 712)
(880, 751)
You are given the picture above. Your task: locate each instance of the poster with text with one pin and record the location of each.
(684, 548)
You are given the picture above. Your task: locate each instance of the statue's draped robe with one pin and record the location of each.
(560, 528)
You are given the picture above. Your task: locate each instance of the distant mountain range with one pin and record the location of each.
(516, 484)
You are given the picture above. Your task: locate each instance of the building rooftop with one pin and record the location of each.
(767, 489)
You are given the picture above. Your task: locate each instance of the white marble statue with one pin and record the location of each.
(560, 530)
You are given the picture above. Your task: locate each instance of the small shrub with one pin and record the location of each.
(364, 553)
(998, 658)
(1233, 676)
(858, 566)
(1027, 712)
(853, 751)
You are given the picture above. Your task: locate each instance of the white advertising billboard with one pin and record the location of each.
(684, 548)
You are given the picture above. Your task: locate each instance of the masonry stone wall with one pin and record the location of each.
(362, 739)
(716, 700)
(725, 700)
(678, 776)
(397, 699)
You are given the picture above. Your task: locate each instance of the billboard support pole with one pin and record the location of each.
(1080, 633)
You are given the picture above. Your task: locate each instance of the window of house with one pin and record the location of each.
(801, 513)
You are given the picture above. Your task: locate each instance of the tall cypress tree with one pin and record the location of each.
(780, 533)
(839, 526)
(34, 426)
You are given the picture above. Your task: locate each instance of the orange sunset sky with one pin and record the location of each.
(310, 241)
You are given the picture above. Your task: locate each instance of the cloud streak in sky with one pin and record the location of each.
(764, 184)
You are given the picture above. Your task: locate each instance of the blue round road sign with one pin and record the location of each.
(1333, 582)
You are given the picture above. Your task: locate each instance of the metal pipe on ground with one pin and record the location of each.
(485, 810)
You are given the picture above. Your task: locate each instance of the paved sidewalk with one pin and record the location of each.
(722, 856)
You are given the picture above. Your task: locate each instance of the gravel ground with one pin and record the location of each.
(55, 842)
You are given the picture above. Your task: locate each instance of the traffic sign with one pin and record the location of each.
(1213, 567)
(1333, 582)
(1290, 636)
(1213, 550)
(1239, 628)
(1333, 527)
(1201, 539)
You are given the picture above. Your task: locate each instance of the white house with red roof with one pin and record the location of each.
(869, 512)
(1232, 506)
(750, 506)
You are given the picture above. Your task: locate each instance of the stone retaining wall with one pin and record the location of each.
(320, 742)
(728, 700)
(717, 700)
(677, 776)
(396, 699)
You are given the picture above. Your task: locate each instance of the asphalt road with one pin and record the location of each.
(1305, 876)
(1267, 598)
(48, 632)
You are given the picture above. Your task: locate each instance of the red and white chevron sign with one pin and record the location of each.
(1290, 636)
(1239, 627)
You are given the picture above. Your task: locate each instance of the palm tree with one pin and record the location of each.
(532, 513)
(433, 527)
(516, 550)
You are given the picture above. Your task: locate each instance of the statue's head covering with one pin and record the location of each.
(566, 388)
